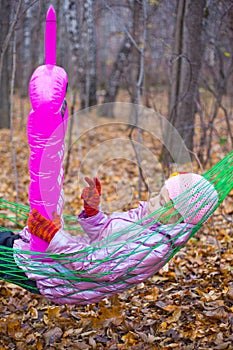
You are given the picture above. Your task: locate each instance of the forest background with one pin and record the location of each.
(174, 58)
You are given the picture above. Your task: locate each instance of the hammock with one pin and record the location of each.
(116, 263)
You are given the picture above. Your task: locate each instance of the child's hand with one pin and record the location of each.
(91, 196)
(43, 228)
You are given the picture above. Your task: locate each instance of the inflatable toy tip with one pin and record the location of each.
(50, 37)
(51, 14)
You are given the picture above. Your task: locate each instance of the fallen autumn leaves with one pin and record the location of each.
(188, 305)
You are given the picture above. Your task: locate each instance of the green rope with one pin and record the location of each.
(18, 214)
(220, 175)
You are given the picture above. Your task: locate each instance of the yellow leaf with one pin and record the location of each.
(68, 332)
(170, 308)
(154, 295)
(108, 62)
(175, 316)
(46, 319)
(162, 327)
(140, 45)
(39, 345)
(34, 313)
(53, 312)
(129, 338)
(227, 54)
(155, 2)
(13, 327)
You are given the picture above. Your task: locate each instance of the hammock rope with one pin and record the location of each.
(91, 279)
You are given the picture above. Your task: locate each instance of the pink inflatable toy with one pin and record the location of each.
(46, 128)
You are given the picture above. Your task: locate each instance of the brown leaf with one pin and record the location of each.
(230, 292)
(217, 314)
(228, 206)
(30, 339)
(92, 342)
(68, 332)
(223, 346)
(107, 315)
(81, 345)
(52, 335)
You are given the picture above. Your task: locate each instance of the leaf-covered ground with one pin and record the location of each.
(187, 305)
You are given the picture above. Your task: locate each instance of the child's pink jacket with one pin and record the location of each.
(105, 262)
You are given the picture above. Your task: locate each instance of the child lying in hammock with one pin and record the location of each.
(99, 226)
(155, 233)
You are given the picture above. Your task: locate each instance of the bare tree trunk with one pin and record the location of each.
(12, 87)
(82, 65)
(176, 67)
(91, 55)
(135, 68)
(4, 73)
(120, 63)
(5, 11)
(188, 51)
(25, 61)
(6, 31)
(87, 57)
(136, 96)
(73, 28)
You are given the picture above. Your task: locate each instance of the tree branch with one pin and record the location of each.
(9, 35)
(125, 29)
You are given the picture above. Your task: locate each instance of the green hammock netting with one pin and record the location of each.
(123, 267)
